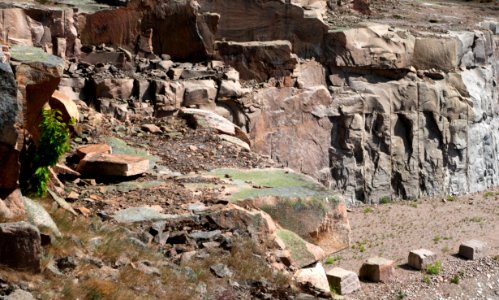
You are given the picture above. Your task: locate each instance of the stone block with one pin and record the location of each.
(377, 269)
(119, 165)
(93, 148)
(313, 280)
(472, 249)
(343, 281)
(418, 259)
(21, 246)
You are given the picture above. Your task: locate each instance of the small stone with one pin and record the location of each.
(472, 249)
(205, 235)
(418, 259)
(377, 269)
(151, 128)
(211, 245)
(221, 270)
(147, 268)
(73, 196)
(342, 281)
(19, 294)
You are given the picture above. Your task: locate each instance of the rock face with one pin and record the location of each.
(425, 135)
(21, 246)
(11, 120)
(37, 75)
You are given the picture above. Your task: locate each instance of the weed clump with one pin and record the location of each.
(434, 268)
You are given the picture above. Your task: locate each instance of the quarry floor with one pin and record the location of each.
(392, 230)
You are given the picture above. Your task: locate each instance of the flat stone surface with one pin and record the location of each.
(141, 214)
(419, 258)
(472, 249)
(119, 165)
(93, 148)
(377, 269)
(343, 281)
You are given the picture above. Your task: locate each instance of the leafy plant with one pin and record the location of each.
(434, 268)
(402, 295)
(426, 279)
(54, 142)
(451, 198)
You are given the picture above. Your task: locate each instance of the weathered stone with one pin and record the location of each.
(12, 206)
(65, 105)
(177, 29)
(93, 148)
(38, 216)
(11, 121)
(376, 46)
(120, 165)
(377, 269)
(199, 92)
(221, 270)
(472, 249)
(302, 253)
(439, 53)
(310, 73)
(151, 128)
(418, 259)
(231, 89)
(258, 60)
(37, 77)
(19, 294)
(203, 118)
(342, 281)
(21, 246)
(313, 280)
(121, 88)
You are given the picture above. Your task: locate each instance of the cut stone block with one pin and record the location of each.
(93, 148)
(418, 259)
(377, 269)
(472, 249)
(343, 281)
(119, 165)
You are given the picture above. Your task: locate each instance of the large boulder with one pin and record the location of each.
(376, 46)
(21, 246)
(37, 74)
(258, 60)
(11, 122)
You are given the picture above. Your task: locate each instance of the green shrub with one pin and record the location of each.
(426, 279)
(367, 210)
(455, 279)
(54, 142)
(434, 268)
(451, 198)
(385, 200)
